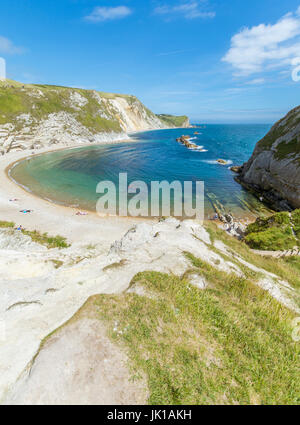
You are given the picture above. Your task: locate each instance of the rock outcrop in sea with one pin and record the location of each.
(186, 141)
(273, 171)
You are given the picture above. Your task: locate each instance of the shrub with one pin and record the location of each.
(6, 224)
(49, 241)
(272, 239)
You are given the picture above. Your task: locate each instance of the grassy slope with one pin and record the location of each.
(283, 267)
(290, 149)
(17, 99)
(171, 120)
(275, 233)
(230, 343)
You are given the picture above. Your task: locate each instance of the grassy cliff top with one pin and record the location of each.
(41, 100)
(283, 128)
(172, 120)
(97, 111)
(10, 84)
(228, 344)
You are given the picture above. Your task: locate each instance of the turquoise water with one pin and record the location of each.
(70, 177)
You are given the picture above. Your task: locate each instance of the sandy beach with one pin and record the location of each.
(28, 272)
(52, 218)
(43, 289)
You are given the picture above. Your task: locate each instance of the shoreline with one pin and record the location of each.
(17, 190)
(13, 189)
(53, 218)
(57, 148)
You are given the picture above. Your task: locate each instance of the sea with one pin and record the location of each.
(70, 177)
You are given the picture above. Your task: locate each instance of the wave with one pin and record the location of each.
(198, 149)
(215, 162)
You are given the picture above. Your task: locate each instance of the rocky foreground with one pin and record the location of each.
(273, 171)
(41, 289)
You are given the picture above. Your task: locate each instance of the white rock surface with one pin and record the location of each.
(36, 298)
(78, 366)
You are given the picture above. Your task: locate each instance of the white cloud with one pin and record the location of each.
(189, 10)
(8, 47)
(101, 14)
(256, 81)
(265, 46)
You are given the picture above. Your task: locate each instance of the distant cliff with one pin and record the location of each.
(273, 171)
(175, 121)
(34, 116)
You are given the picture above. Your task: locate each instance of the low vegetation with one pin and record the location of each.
(57, 263)
(284, 149)
(6, 224)
(172, 120)
(40, 238)
(34, 102)
(16, 100)
(280, 129)
(114, 265)
(274, 239)
(285, 268)
(44, 239)
(228, 344)
(296, 222)
(97, 118)
(278, 232)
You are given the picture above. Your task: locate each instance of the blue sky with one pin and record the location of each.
(214, 60)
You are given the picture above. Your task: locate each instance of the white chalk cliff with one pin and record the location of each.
(36, 116)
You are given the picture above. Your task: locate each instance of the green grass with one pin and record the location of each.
(274, 233)
(273, 239)
(296, 222)
(6, 224)
(282, 127)
(294, 262)
(40, 238)
(228, 344)
(266, 142)
(285, 149)
(46, 240)
(97, 124)
(173, 120)
(90, 117)
(276, 220)
(16, 100)
(284, 269)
